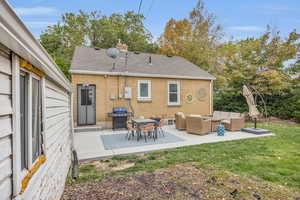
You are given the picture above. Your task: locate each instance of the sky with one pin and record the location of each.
(239, 18)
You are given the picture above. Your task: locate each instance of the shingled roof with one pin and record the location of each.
(95, 61)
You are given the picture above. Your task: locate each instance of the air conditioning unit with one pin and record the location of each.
(127, 93)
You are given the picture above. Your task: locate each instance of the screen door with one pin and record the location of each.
(86, 104)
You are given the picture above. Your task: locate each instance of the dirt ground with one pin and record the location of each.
(181, 182)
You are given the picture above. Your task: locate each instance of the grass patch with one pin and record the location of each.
(275, 159)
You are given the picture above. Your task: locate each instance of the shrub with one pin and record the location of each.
(284, 106)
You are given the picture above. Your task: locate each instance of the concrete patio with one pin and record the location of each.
(89, 145)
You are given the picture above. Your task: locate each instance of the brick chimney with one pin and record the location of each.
(122, 47)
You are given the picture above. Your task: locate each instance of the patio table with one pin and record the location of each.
(140, 122)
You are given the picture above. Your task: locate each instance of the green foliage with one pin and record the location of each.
(195, 38)
(230, 101)
(295, 104)
(95, 30)
(260, 63)
(284, 106)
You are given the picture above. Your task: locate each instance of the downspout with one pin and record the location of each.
(74, 153)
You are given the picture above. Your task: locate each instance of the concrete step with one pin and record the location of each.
(80, 129)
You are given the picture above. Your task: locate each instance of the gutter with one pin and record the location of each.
(16, 36)
(139, 75)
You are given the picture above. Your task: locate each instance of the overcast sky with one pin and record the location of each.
(239, 18)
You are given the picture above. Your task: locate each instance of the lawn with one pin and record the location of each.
(274, 159)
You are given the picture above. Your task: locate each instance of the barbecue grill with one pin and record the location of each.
(119, 117)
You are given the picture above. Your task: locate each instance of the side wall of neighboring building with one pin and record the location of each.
(107, 86)
(6, 130)
(49, 179)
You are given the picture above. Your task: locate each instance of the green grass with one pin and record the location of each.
(275, 159)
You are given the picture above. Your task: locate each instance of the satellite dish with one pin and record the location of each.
(112, 52)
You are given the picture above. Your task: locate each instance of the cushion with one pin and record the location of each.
(216, 115)
(226, 121)
(192, 115)
(180, 113)
(235, 115)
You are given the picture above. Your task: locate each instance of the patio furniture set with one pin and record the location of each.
(147, 128)
(198, 124)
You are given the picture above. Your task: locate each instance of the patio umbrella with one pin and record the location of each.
(253, 112)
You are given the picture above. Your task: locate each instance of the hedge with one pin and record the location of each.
(284, 106)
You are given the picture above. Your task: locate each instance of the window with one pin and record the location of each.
(30, 119)
(173, 93)
(23, 120)
(86, 96)
(144, 90)
(36, 119)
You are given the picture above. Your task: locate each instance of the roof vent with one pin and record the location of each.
(97, 48)
(136, 52)
(169, 56)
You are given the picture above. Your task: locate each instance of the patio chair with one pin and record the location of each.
(195, 124)
(148, 130)
(180, 123)
(234, 124)
(131, 130)
(231, 120)
(160, 129)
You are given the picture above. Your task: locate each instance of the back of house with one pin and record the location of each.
(35, 115)
(143, 84)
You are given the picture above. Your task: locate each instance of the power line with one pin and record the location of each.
(141, 1)
(150, 8)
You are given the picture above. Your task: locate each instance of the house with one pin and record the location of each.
(149, 85)
(35, 115)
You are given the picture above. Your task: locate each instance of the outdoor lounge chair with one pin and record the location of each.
(196, 124)
(231, 120)
(180, 121)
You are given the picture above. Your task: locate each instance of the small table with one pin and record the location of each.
(140, 122)
(214, 124)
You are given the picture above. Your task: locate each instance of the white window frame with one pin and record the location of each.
(149, 90)
(31, 76)
(178, 93)
(19, 174)
(25, 171)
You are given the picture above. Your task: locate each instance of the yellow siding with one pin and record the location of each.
(107, 86)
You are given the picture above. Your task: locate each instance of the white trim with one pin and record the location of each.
(22, 172)
(29, 121)
(16, 125)
(43, 96)
(178, 93)
(138, 75)
(18, 38)
(149, 90)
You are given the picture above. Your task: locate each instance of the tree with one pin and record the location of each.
(195, 38)
(95, 30)
(259, 62)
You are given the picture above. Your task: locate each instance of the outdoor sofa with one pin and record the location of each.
(180, 121)
(196, 124)
(232, 121)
